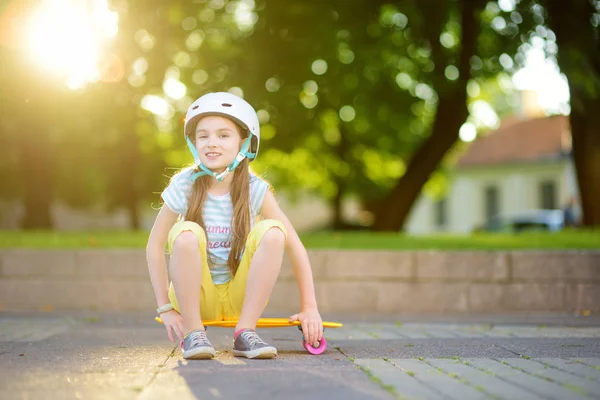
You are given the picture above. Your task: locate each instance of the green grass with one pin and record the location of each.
(377, 380)
(333, 240)
(73, 240)
(390, 241)
(574, 388)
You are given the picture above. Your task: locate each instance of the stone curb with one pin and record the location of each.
(346, 281)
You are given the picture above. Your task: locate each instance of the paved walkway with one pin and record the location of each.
(128, 357)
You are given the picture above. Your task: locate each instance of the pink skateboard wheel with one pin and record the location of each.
(316, 350)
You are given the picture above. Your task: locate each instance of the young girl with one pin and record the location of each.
(224, 263)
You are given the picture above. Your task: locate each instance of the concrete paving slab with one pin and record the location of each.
(482, 381)
(270, 382)
(542, 388)
(536, 368)
(32, 330)
(49, 381)
(464, 333)
(572, 367)
(379, 331)
(551, 347)
(414, 333)
(591, 361)
(91, 393)
(401, 383)
(440, 332)
(433, 377)
(428, 348)
(489, 347)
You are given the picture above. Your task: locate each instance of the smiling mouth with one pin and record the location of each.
(213, 155)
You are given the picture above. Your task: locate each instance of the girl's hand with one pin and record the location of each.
(312, 325)
(173, 321)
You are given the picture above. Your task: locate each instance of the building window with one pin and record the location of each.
(441, 215)
(492, 206)
(548, 195)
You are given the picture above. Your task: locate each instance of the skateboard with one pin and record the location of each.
(277, 323)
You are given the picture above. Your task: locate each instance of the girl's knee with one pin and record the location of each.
(274, 237)
(267, 225)
(186, 241)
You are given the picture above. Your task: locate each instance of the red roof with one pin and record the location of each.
(514, 141)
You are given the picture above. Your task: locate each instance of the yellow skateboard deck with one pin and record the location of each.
(263, 323)
(276, 323)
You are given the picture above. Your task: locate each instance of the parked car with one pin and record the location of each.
(538, 220)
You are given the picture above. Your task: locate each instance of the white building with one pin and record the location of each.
(523, 165)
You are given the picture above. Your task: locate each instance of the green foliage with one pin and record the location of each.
(345, 94)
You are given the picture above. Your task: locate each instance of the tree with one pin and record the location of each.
(577, 27)
(300, 106)
(338, 123)
(450, 115)
(29, 103)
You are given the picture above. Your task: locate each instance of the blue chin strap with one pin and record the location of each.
(244, 153)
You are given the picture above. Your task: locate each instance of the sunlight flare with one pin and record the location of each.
(66, 38)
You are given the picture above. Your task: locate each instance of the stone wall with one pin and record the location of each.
(357, 282)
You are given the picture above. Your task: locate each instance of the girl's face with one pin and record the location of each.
(217, 142)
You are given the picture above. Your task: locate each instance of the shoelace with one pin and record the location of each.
(252, 338)
(199, 338)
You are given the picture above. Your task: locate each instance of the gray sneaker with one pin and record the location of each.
(248, 344)
(196, 346)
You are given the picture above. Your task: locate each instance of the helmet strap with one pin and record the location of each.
(243, 153)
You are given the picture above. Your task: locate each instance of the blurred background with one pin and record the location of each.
(423, 116)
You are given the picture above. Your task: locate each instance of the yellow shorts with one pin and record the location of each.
(219, 302)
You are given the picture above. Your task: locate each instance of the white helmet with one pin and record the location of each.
(228, 105)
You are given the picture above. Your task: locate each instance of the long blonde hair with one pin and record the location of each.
(240, 199)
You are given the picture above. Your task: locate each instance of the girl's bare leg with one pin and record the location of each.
(185, 270)
(263, 273)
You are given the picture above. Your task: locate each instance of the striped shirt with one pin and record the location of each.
(217, 213)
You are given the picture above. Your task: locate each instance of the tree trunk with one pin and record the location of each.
(129, 183)
(134, 215)
(34, 122)
(451, 114)
(36, 171)
(341, 150)
(336, 205)
(585, 129)
(579, 59)
(123, 167)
